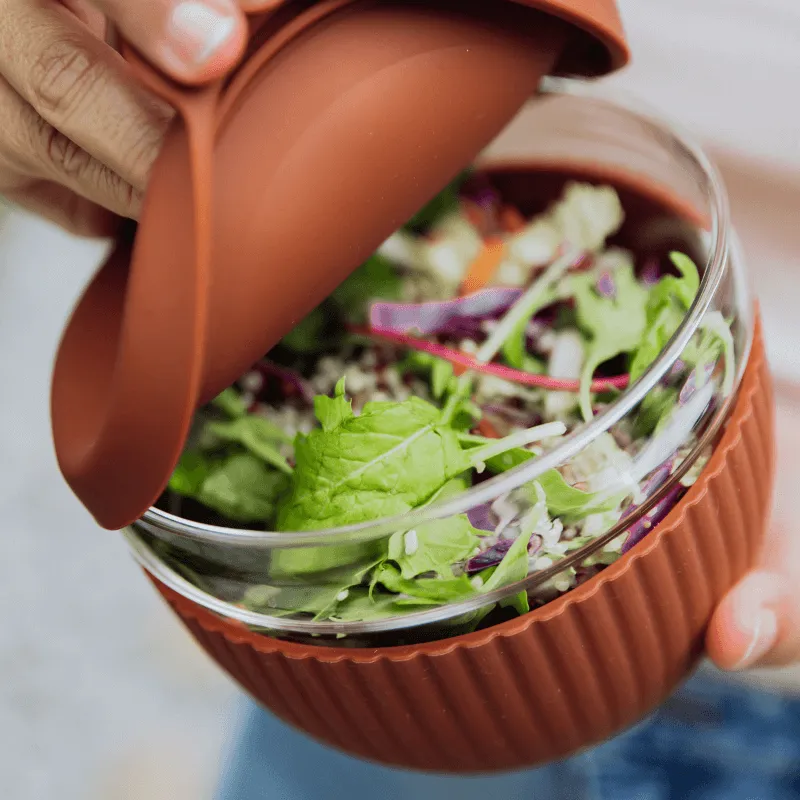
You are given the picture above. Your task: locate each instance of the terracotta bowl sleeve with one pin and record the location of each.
(549, 683)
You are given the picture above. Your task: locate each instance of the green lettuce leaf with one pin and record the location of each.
(514, 348)
(189, 474)
(376, 279)
(433, 547)
(667, 305)
(240, 486)
(362, 605)
(435, 590)
(320, 598)
(309, 335)
(230, 402)
(333, 411)
(256, 434)
(570, 503)
(670, 299)
(514, 567)
(615, 324)
(388, 460)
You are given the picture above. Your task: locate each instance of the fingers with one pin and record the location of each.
(66, 209)
(86, 120)
(757, 624)
(192, 40)
(35, 151)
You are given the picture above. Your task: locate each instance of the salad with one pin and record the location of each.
(474, 340)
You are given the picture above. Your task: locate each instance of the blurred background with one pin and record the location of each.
(103, 695)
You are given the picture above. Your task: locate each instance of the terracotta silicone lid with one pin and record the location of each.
(343, 118)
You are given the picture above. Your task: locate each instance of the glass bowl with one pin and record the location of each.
(616, 619)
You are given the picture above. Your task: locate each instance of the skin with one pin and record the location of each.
(79, 139)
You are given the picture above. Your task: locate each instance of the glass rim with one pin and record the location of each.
(571, 445)
(447, 612)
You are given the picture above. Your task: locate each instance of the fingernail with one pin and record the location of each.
(760, 625)
(198, 31)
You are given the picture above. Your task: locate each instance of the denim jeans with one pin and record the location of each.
(713, 740)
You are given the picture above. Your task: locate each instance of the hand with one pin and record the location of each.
(79, 136)
(758, 623)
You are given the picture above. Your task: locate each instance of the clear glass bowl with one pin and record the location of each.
(575, 128)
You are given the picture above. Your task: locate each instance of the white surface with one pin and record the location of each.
(101, 687)
(727, 69)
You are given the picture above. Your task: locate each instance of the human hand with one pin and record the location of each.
(78, 135)
(758, 622)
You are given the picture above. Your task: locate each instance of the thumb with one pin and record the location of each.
(757, 624)
(192, 40)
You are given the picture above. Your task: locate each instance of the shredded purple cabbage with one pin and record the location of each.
(651, 272)
(673, 372)
(294, 379)
(482, 517)
(605, 286)
(430, 318)
(658, 477)
(690, 387)
(488, 558)
(643, 526)
(485, 196)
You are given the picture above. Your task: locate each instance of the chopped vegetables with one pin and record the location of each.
(472, 342)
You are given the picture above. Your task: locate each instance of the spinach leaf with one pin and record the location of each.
(256, 434)
(230, 402)
(239, 486)
(388, 460)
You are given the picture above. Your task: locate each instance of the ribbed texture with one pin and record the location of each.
(542, 686)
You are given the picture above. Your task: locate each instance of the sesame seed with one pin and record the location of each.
(410, 543)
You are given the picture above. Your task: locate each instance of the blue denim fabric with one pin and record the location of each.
(712, 741)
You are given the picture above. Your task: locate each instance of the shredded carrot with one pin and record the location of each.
(511, 220)
(487, 429)
(483, 268)
(474, 214)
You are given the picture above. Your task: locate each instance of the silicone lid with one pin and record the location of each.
(343, 118)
